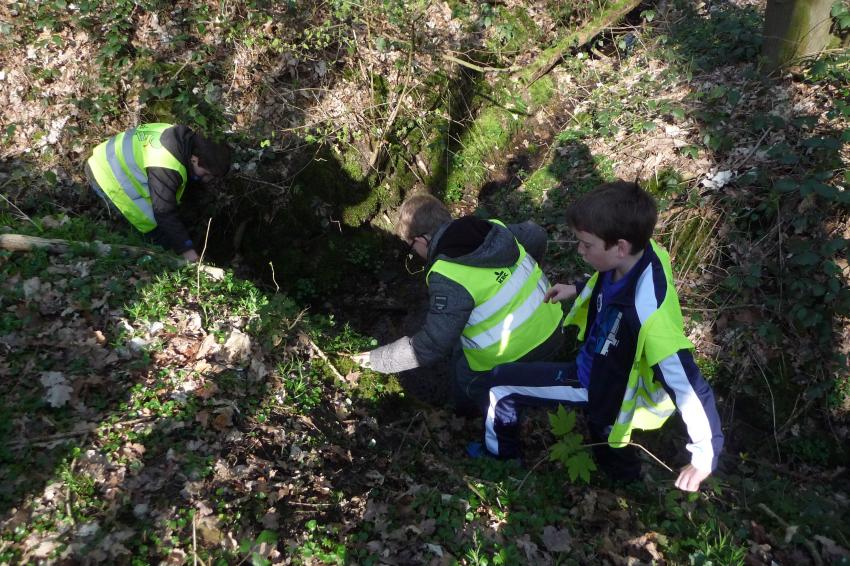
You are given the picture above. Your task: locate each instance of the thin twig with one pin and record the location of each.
(21, 212)
(303, 504)
(276, 286)
(404, 438)
(772, 405)
(479, 68)
(653, 456)
(260, 181)
(534, 467)
(324, 357)
(194, 540)
(180, 70)
(41, 441)
(752, 151)
(201, 259)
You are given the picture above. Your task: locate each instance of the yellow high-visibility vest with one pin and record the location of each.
(646, 405)
(510, 318)
(118, 166)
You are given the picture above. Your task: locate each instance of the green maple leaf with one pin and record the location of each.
(563, 421)
(562, 450)
(559, 453)
(579, 465)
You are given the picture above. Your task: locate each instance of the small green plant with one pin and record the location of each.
(301, 388)
(321, 545)
(569, 450)
(259, 549)
(715, 546)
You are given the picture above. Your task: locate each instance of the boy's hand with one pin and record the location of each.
(690, 478)
(363, 359)
(190, 255)
(560, 292)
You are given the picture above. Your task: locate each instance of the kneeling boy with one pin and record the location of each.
(635, 366)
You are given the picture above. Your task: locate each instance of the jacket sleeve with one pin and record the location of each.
(170, 231)
(449, 308)
(695, 400)
(532, 237)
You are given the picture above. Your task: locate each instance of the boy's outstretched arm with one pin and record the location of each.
(695, 401)
(559, 292)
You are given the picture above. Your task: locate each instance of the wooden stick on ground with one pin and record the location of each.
(324, 357)
(23, 243)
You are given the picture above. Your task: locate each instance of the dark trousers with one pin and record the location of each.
(470, 388)
(513, 387)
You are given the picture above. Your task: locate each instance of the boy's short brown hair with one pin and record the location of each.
(614, 211)
(421, 215)
(212, 156)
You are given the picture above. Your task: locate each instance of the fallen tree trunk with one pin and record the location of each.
(23, 243)
(579, 38)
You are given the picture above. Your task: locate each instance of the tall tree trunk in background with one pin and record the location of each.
(794, 28)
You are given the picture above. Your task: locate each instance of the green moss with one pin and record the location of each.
(375, 386)
(489, 134)
(541, 91)
(540, 182)
(352, 166)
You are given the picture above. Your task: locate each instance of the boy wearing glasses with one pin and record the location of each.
(486, 299)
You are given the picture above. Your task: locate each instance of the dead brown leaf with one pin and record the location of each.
(556, 540)
(223, 418)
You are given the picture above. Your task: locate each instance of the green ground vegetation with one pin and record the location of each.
(151, 414)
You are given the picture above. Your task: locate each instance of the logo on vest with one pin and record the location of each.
(148, 139)
(501, 275)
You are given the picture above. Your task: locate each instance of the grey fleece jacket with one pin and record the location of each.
(449, 303)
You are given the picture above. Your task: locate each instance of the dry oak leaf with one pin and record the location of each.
(58, 388)
(556, 540)
(207, 390)
(237, 348)
(223, 419)
(208, 346)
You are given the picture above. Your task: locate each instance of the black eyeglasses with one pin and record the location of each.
(409, 255)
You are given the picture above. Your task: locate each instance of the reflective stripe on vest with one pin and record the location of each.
(501, 333)
(646, 396)
(143, 202)
(509, 318)
(119, 164)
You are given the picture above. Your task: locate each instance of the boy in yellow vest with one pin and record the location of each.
(144, 171)
(486, 299)
(635, 367)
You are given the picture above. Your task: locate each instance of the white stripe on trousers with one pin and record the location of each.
(556, 393)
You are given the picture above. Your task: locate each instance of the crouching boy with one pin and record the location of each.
(635, 366)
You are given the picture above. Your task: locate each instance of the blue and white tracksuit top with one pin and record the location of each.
(618, 321)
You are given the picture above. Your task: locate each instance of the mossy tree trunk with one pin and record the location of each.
(794, 28)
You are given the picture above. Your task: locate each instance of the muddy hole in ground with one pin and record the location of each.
(359, 275)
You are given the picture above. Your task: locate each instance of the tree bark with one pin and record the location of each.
(793, 29)
(552, 56)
